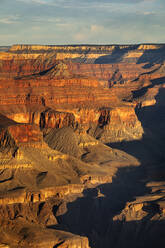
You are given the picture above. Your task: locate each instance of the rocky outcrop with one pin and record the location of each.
(20, 134)
(25, 133)
(33, 235)
(58, 105)
(115, 125)
(145, 217)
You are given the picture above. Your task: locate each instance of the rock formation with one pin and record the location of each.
(82, 146)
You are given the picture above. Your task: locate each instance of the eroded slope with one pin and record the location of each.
(58, 105)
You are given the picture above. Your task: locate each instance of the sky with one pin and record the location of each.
(55, 22)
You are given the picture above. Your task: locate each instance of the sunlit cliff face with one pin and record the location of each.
(82, 146)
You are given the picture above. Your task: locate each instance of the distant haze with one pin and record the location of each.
(82, 21)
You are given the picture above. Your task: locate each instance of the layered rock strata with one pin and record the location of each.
(58, 105)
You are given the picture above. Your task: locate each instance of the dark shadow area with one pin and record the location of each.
(142, 91)
(92, 215)
(153, 121)
(150, 149)
(138, 234)
(149, 57)
(115, 57)
(152, 56)
(6, 180)
(40, 177)
(16, 188)
(31, 76)
(59, 244)
(5, 121)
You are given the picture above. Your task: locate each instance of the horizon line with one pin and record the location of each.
(83, 44)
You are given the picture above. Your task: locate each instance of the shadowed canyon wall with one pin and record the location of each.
(82, 146)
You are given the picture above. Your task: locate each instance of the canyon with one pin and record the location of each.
(82, 146)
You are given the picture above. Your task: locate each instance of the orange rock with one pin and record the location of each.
(25, 133)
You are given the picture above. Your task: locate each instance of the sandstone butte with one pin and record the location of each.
(82, 146)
